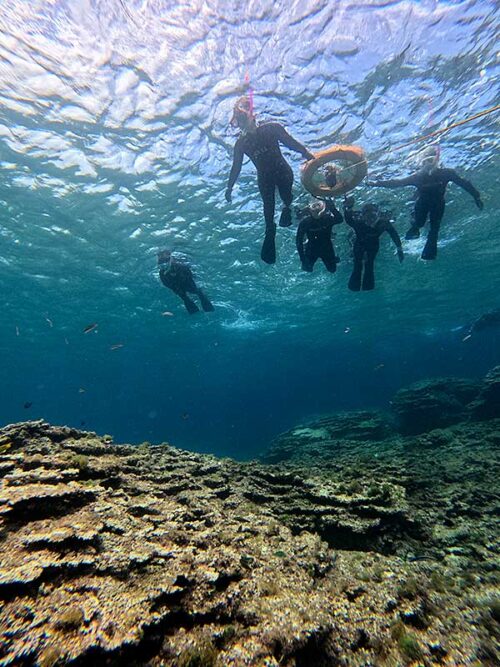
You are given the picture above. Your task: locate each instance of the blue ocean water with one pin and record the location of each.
(115, 142)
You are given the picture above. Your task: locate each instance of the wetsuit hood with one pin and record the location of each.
(371, 214)
(165, 260)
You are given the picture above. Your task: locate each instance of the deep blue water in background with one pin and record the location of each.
(111, 149)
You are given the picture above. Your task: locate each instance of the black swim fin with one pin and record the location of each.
(430, 251)
(412, 233)
(206, 304)
(268, 252)
(191, 307)
(286, 217)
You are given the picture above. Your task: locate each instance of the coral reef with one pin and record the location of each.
(354, 552)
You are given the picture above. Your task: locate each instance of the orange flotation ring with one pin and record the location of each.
(350, 164)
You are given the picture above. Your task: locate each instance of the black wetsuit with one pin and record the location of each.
(263, 147)
(431, 188)
(318, 232)
(179, 278)
(366, 246)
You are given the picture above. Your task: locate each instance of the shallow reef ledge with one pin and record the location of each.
(150, 555)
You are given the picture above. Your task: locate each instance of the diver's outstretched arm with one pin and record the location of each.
(467, 186)
(337, 215)
(349, 216)
(391, 230)
(288, 141)
(235, 169)
(394, 182)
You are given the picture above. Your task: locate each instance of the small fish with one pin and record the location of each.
(167, 313)
(468, 337)
(51, 324)
(81, 390)
(27, 405)
(90, 327)
(377, 368)
(185, 415)
(17, 331)
(82, 423)
(347, 329)
(66, 341)
(116, 346)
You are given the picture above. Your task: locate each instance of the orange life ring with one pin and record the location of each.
(352, 168)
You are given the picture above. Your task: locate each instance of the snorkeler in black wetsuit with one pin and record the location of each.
(316, 224)
(431, 182)
(261, 143)
(368, 226)
(178, 277)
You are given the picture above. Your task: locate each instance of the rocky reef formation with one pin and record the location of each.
(440, 402)
(433, 403)
(487, 403)
(149, 555)
(366, 425)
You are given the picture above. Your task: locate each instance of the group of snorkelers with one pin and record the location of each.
(261, 143)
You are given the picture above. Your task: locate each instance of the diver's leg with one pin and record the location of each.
(267, 187)
(419, 216)
(284, 181)
(355, 279)
(369, 273)
(436, 215)
(329, 258)
(310, 258)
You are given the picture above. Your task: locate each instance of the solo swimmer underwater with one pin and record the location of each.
(431, 182)
(261, 143)
(178, 277)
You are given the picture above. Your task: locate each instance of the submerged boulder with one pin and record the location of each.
(431, 404)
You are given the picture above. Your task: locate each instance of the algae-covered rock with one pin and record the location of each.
(431, 404)
(359, 426)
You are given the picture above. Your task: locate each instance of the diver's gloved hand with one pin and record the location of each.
(479, 203)
(348, 202)
(401, 255)
(228, 195)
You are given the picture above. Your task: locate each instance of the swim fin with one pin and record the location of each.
(191, 307)
(206, 304)
(286, 217)
(430, 251)
(412, 233)
(268, 252)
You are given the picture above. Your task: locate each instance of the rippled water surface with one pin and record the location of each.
(115, 141)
